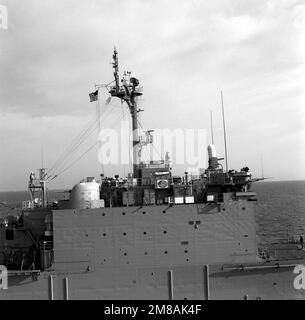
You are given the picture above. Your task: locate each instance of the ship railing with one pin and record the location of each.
(27, 205)
(30, 205)
(216, 177)
(288, 240)
(154, 165)
(134, 182)
(272, 249)
(35, 183)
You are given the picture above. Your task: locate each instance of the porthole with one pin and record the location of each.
(165, 232)
(125, 254)
(165, 252)
(103, 214)
(144, 212)
(145, 233)
(124, 234)
(123, 213)
(244, 208)
(104, 234)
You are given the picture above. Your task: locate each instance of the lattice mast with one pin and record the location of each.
(128, 90)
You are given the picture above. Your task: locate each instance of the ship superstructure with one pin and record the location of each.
(152, 235)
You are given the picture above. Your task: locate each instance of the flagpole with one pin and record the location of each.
(98, 114)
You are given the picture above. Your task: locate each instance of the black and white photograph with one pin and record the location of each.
(153, 151)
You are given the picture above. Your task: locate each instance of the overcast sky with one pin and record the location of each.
(183, 52)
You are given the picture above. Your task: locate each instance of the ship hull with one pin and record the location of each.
(273, 281)
(187, 252)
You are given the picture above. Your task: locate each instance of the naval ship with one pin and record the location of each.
(150, 236)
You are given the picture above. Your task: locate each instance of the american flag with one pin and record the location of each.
(93, 96)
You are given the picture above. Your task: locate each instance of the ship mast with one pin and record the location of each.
(129, 92)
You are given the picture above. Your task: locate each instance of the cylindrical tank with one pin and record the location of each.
(212, 151)
(84, 194)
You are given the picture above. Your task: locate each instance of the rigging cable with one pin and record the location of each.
(77, 142)
(74, 162)
(89, 124)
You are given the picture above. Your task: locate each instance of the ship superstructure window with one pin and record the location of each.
(9, 234)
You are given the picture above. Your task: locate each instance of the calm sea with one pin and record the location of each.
(280, 209)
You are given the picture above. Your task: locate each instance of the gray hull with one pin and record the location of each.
(178, 283)
(155, 252)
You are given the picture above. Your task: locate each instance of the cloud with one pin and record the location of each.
(183, 52)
